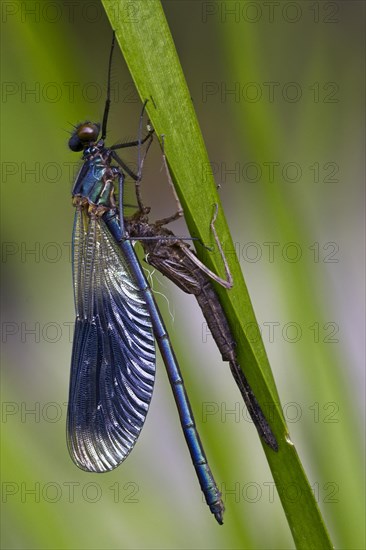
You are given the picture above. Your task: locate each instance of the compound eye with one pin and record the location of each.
(88, 132)
(75, 144)
(83, 135)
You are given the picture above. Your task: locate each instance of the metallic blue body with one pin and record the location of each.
(113, 362)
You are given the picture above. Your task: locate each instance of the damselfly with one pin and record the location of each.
(113, 358)
(174, 258)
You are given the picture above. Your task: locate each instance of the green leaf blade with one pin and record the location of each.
(150, 54)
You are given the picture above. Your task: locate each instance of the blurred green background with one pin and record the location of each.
(278, 89)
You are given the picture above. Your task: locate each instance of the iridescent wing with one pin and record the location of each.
(113, 358)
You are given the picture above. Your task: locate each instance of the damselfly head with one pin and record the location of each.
(83, 135)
